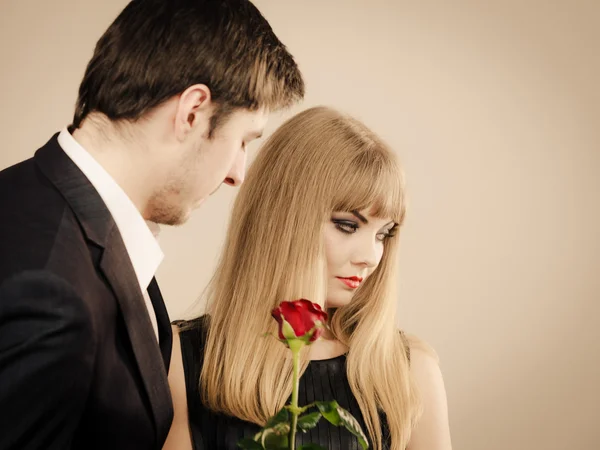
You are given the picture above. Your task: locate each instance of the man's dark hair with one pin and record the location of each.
(156, 49)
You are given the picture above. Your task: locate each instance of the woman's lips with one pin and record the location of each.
(351, 282)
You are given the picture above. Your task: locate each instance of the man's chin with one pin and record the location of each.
(185, 215)
(173, 215)
(170, 218)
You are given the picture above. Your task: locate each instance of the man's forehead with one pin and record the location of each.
(257, 122)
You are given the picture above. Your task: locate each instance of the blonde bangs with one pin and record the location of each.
(372, 181)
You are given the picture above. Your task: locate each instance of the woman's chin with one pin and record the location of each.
(339, 300)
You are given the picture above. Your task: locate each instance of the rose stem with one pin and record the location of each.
(295, 347)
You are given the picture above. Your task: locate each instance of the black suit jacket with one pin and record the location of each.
(80, 366)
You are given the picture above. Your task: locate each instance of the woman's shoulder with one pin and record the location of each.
(191, 333)
(432, 429)
(191, 326)
(189, 338)
(417, 348)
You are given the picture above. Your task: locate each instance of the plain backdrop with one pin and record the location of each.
(494, 109)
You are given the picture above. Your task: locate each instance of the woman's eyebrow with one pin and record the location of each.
(360, 217)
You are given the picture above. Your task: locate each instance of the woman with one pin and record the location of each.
(317, 218)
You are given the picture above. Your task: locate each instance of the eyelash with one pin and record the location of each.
(346, 227)
(350, 228)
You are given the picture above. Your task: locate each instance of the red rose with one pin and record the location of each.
(303, 316)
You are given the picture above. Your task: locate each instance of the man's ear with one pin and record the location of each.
(194, 109)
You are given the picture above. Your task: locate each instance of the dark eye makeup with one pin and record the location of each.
(345, 226)
(349, 227)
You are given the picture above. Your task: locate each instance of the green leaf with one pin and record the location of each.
(282, 428)
(338, 416)
(276, 437)
(309, 421)
(274, 442)
(281, 416)
(353, 426)
(311, 447)
(330, 412)
(249, 444)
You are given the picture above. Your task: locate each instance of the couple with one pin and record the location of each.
(88, 359)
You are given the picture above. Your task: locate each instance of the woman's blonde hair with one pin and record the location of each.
(318, 162)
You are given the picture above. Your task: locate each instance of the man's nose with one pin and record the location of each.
(236, 175)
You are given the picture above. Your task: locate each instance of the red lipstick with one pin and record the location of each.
(351, 282)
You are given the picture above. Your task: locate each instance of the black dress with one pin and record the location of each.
(323, 380)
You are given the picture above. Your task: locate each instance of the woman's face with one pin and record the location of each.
(354, 243)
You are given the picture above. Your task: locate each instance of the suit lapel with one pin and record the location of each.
(100, 228)
(117, 268)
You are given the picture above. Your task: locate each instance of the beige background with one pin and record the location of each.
(494, 108)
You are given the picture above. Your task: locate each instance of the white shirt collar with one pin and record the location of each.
(140, 240)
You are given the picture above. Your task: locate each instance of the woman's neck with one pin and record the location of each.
(326, 348)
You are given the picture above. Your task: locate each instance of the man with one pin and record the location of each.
(174, 92)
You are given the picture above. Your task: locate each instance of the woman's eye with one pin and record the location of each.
(346, 227)
(386, 234)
